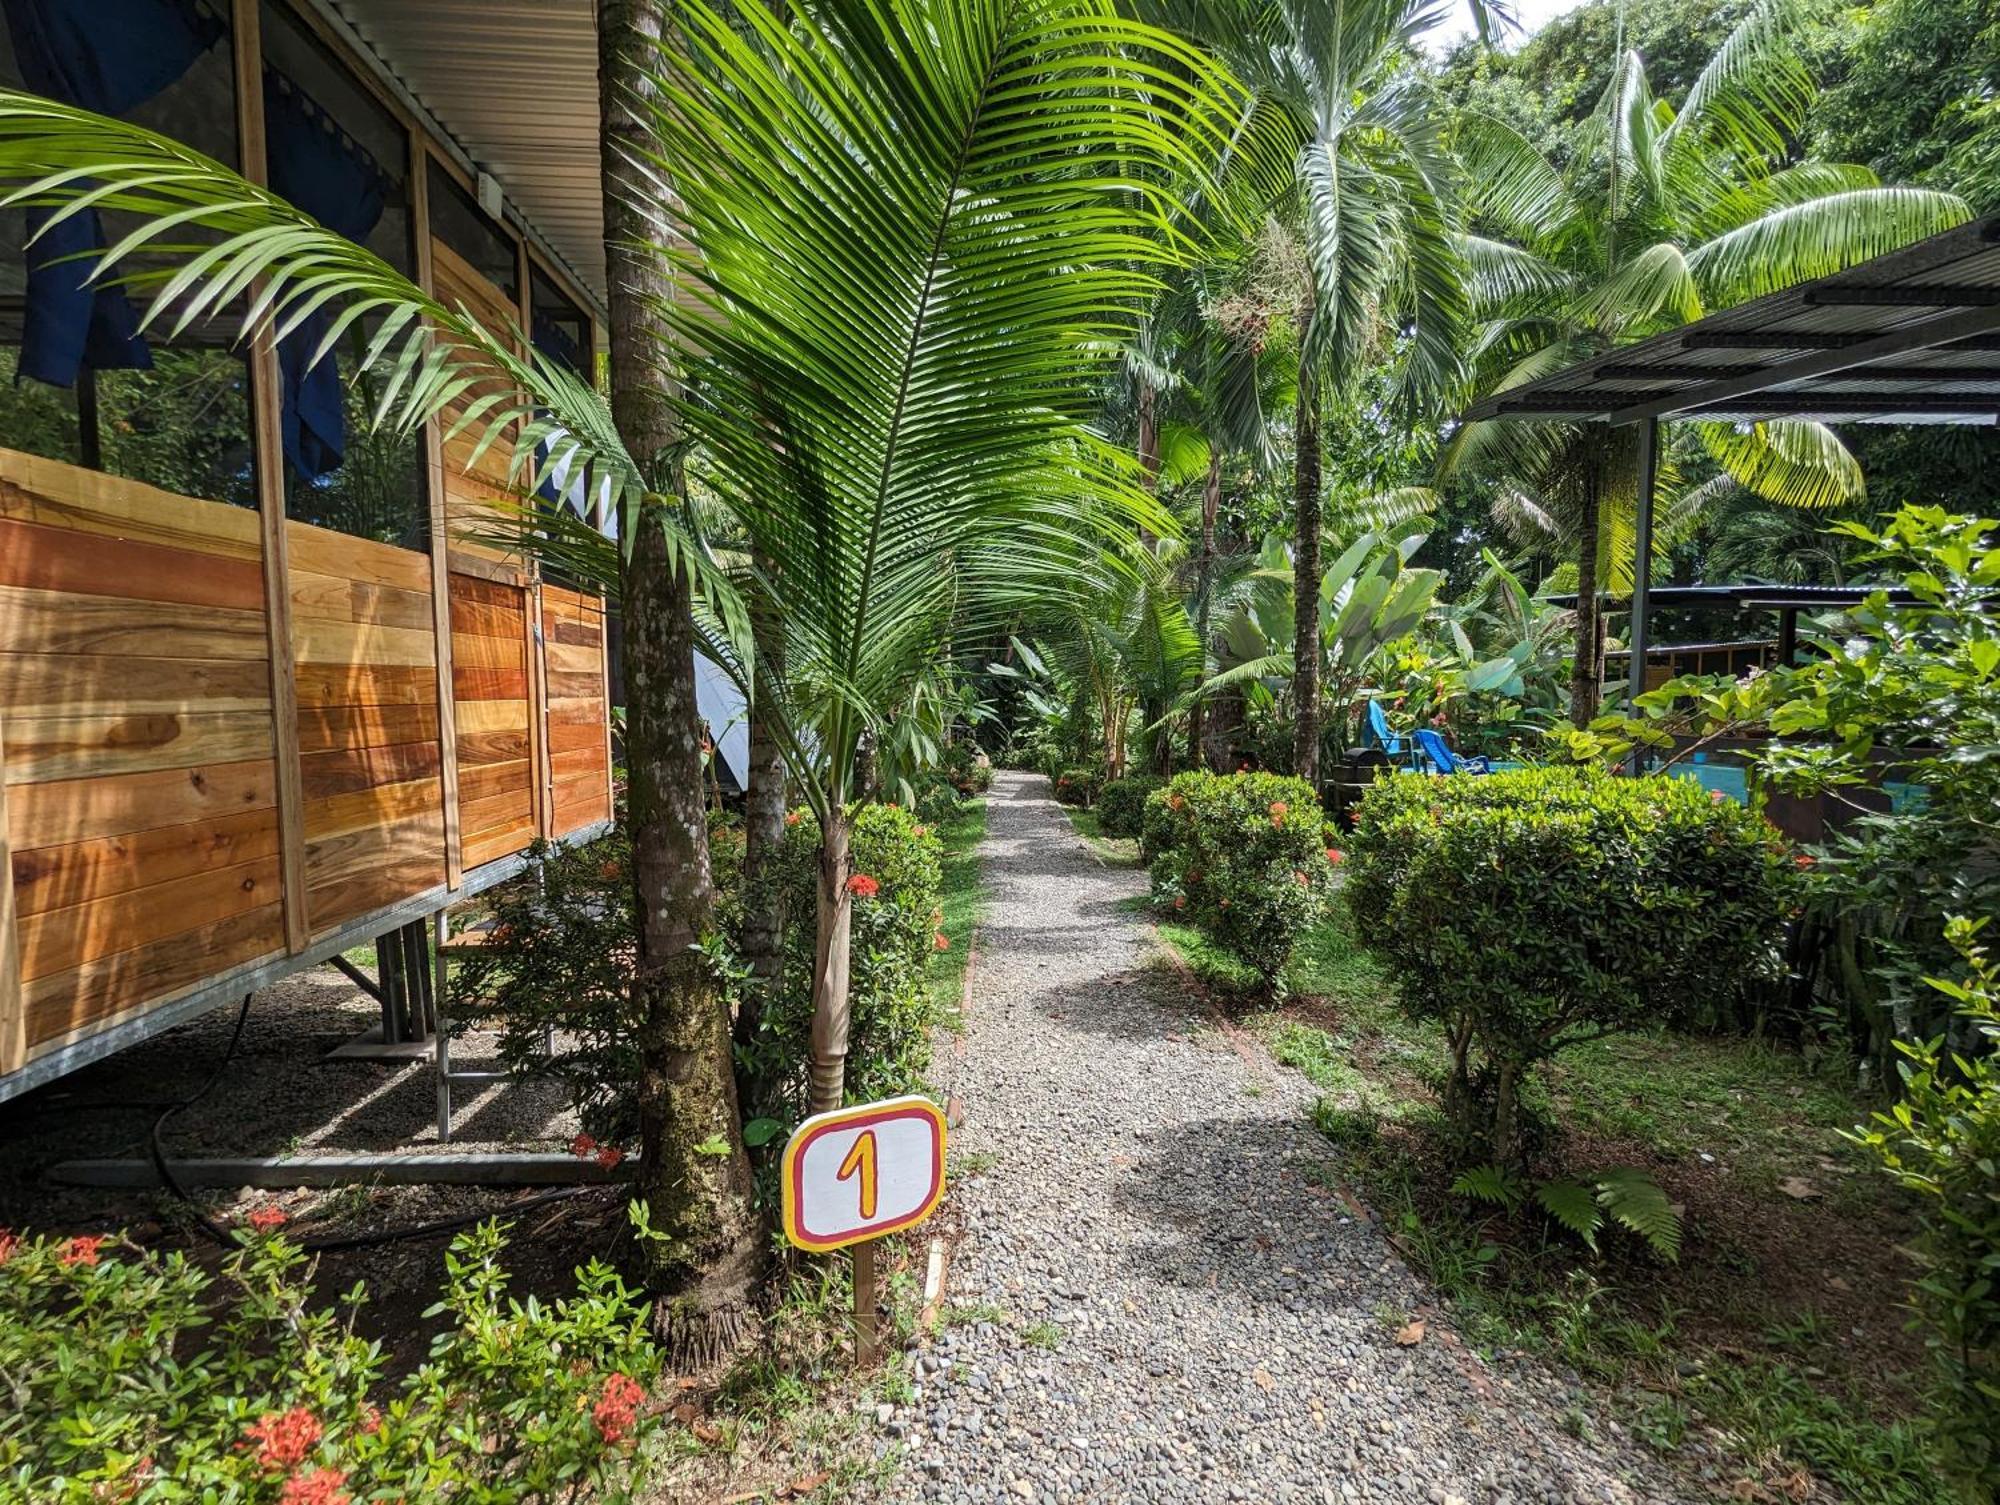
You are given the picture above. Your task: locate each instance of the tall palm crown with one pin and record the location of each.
(1660, 215)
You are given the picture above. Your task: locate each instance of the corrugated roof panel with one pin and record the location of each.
(514, 83)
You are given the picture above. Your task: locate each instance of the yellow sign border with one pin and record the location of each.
(821, 1123)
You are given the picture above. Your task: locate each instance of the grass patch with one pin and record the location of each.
(1113, 851)
(963, 904)
(1774, 1353)
(1042, 1334)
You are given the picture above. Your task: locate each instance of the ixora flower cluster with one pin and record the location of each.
(270, 1396)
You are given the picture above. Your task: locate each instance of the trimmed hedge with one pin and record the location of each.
(1121, 803)
(1526, 910)
(1077, 786)
(1245, 857)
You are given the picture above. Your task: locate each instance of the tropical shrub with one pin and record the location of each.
(1529, 910)
(967, 768)
(1121, 803)
(1941, 1142)
(1244, 856)
(898, 885)
(561, 951)
(137, 1375)
(1077, 786)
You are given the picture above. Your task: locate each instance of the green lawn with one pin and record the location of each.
(1114, 851)
(963, 904)
(1775, 1350)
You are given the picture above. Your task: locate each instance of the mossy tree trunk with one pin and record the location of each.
(704, 1267)
(832, 1006)
(764, 800)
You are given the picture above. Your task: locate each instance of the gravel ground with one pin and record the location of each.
(1152, 1299)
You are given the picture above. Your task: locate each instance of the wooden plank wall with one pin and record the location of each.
(494, 704)
(141, 791)
(369, 755)
(579, 755)
(476, 495)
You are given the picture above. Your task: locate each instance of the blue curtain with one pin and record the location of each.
(110, 56)
(320, 169)
(553, 341)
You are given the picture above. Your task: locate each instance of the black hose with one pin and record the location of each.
(222, 1236)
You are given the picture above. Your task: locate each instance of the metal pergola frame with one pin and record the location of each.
(1908, 337)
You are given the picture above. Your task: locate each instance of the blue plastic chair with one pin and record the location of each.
(1378, 728)
(1435, 751)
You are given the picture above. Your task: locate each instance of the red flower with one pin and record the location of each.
(81, 1251)
(9, 1242)
(1804, 860)
(1438, 719)
(267, 1218)
(1399, 701)
(1335, 856)
(610, 869)
(371, 1421)
(285, 1437)
(1174, 802)
(1180, 901)
(1242, 767)
(610, 1156)
(863, 887)
(1716, 796)
(1279, 809)
(923, 830)
(617, 1407)
(941, 942)
(793, 817)
(583, 1147)
(320, 1487)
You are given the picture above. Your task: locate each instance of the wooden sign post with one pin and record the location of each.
(856, 1174)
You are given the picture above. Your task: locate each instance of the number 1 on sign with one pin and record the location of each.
(861, 1159)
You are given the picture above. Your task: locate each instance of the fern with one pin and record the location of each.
(1573, 1206)
(1489, 1183)
(1634, 1200)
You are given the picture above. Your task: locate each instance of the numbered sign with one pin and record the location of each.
(860, 1173)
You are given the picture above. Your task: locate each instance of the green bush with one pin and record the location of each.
(895, 930)
(1244, 856)
(564, 943)
(1076, 786)
(134, 1375)
(1526, 911)
(1121, 803)
(1941, 1142)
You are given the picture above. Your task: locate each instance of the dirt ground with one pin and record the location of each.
(282, 1094)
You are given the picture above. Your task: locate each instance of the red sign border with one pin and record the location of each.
(863, 1115)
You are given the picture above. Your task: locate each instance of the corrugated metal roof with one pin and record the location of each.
(1912, 336)
(514, 84)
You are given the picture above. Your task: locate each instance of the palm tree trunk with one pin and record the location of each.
(1586, 682)
(763, 927)
(1211, 504)
(1306, 565)
(832, 1007)
(704, 1268)
(1149, 448)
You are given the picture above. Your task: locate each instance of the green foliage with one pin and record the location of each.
(1629, 1198)
(1121, 804)
(1077, 786)
(137, 1375)
(1530, 910)
(1244, 856)
(895, 931)
(1941, 1143)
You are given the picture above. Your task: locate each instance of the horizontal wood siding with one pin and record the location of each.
(367, 723)
(141, 808)
(579, 754)
(489, 652)
(477, 498)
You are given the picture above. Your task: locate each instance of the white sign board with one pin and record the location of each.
(859, 1173)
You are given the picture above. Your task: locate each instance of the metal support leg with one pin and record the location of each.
(439, 985)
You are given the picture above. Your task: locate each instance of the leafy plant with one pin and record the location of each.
(1941, 1142)
(1531, 910)
(1626, 1197)
(1245, 857)
(133, 1374)
(1121, 804)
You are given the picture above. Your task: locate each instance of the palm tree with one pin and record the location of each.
(1660, 215)
(1335, 94)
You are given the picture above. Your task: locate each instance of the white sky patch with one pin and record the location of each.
(1532, 16)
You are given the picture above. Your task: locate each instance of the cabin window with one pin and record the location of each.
(469, 232)
(561, 329)
(78, 380)
(338, 153)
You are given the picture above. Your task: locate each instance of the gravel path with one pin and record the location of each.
(1153, 1300)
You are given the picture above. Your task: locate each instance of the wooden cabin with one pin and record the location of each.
(261, 698)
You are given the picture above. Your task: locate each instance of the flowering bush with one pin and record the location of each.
(1077, 786)
(1244, 856)
(1527, 910)
(137, 1376)
(1121, 804)
(896, 889)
